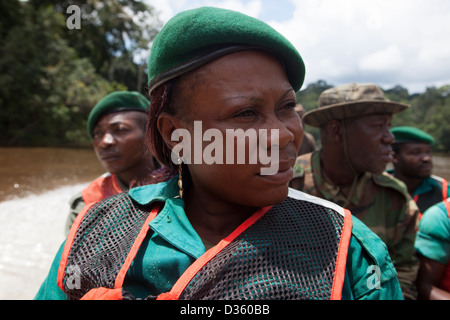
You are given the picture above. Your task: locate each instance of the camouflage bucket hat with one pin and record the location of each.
(348, 101)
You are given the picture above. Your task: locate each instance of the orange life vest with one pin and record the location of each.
(293, 250)
(101, 188)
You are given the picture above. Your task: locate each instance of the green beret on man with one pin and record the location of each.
(195, 37)
(407, 134)
(116, 102)
(349, 101)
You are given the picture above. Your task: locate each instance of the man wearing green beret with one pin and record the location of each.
(213, 230)
(413, 165)
(117, 127)
(354, 121)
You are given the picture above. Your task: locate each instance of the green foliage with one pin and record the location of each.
(51, 77)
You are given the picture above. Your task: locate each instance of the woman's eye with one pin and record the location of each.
(288, 107)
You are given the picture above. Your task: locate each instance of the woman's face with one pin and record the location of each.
(247, 90)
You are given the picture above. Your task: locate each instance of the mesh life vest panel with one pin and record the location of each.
(294, 250)
(101, 245)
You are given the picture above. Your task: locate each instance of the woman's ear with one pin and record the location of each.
(167, 124)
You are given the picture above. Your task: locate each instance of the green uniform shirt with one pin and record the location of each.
(381, 202)
(172, 245)
(429, 192)
(433, 238)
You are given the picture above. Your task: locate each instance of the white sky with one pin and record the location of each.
(387, 42)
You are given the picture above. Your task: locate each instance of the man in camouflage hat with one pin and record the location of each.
(354, 120)
(413, 165)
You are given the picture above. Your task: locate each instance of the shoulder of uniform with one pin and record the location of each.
(76, 201)
(435, 219)
(439, 181)
(299, 195)
(372, 246)
(387, 180)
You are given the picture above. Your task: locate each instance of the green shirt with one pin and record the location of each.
(172, 245)
(429, 191)
(433, 238)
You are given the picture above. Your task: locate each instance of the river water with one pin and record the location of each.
(36, 185)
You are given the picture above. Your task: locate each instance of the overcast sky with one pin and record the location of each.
(387, 42)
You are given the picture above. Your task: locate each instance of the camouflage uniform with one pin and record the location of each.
(372, 195)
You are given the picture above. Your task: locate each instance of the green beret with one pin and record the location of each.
(195, 37)
(411, 134)
(349, 101)
(116, 102)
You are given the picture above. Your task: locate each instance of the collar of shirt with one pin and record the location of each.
(171, 222)
(426, 185)
(334, 192)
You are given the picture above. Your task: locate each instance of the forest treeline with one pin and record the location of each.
(51, 76)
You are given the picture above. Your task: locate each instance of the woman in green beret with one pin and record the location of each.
(212, 224)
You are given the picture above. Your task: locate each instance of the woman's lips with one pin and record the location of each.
(283, 175)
